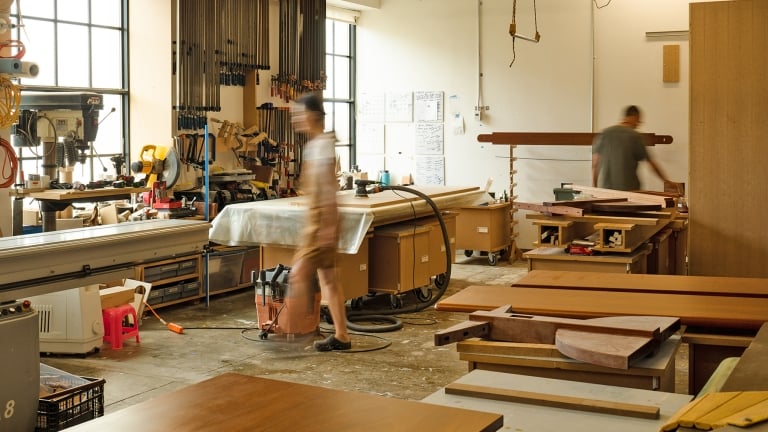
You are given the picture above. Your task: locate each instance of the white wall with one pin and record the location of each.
(551, 87)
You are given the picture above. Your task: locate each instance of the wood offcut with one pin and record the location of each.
(554, 401)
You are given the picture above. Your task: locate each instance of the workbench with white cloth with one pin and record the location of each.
(279, 222)
(387, 217)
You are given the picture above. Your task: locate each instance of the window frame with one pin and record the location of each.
(95, 161)
(331, 102)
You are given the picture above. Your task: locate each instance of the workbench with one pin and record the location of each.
(276, 226)
(54, 200)
(279, 222)
(654, 372)
(721, 314)
(235, 402)
(749, 374)
(36, 264)
(531, 417)
(556, 258)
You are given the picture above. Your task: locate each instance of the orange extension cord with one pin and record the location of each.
(9, 164)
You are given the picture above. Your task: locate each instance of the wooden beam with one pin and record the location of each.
(559, 138)
(637, 197)
(550, 210)
(555, 401)
(462, 331)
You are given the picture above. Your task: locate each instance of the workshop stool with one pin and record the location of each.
(116, 329)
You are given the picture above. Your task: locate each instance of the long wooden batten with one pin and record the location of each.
(558, 138)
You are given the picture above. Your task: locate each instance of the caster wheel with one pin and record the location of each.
(424, 294)
(504, 253)
(395, 301)
(468, 253)
(492, 259)
(441, 281)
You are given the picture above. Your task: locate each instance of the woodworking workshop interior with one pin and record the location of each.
(383, 215)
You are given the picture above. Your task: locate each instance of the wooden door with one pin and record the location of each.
(728, 138)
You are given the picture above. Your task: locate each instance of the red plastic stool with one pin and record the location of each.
(115, 331)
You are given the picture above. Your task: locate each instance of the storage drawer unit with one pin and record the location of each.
(437, 263)
(399, 258)
(484, 228)
(171, 275)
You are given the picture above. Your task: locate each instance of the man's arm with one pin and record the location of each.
(595, 168)
(657, 170)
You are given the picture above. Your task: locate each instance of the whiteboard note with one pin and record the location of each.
(428, 106)
(370, 138)
(371, 107)
(429, 139)
(429, 170)
(399, 107)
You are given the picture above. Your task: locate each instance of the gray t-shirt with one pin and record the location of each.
(620, 149)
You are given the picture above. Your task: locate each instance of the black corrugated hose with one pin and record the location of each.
(388, 315)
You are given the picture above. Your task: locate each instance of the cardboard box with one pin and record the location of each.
(31, 217)
(69, 223)
(116, 296)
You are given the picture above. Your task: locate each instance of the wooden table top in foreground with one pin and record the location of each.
(233, 402)
(735, 312)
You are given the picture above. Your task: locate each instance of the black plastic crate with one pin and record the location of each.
(72, 406)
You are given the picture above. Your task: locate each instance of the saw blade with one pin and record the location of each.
(171, 167)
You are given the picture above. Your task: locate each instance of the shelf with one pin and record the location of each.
(232, 177)
(174, 280)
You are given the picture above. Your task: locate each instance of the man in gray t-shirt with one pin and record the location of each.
(616, 153)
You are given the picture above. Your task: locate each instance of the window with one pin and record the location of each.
(79, 46)
(340, 88)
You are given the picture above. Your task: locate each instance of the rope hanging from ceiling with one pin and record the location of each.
(216, 42)
(513, 29)
(302, 49)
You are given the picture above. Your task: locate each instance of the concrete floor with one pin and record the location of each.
(402, 364)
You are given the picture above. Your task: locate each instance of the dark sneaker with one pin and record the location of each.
(332, 344)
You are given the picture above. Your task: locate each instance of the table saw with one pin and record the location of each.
(36, 264)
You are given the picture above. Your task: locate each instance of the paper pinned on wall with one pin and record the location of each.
(371, 107)
(398, 107)
(428, 106)
(429, 170)
(457, 124)
(429, 139)
(370, 138)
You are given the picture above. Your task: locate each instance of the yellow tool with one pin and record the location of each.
(158, 163)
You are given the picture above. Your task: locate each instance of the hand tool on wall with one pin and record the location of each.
(215, 43)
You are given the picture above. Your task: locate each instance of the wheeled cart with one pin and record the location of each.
(485, 228)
